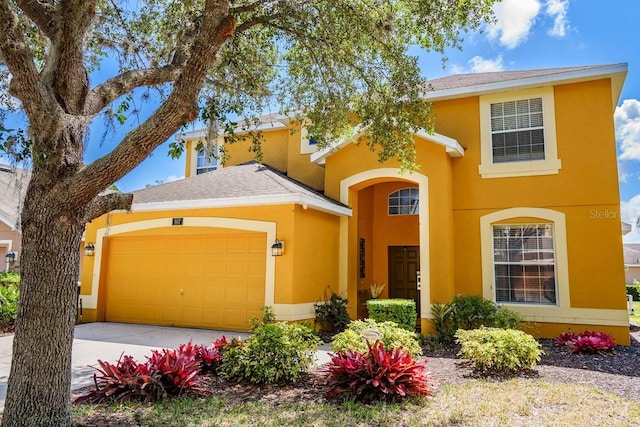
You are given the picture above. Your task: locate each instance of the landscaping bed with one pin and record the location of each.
(617, 372)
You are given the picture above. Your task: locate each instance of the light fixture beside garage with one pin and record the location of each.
(277, 249)
(10, 258)
(89, 249)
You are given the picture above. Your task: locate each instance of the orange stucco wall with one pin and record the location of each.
(585, 190)
(314, 254)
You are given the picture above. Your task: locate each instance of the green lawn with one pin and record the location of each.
(635, 319)
(521, 402)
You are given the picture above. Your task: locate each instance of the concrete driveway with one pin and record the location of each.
(108, 341)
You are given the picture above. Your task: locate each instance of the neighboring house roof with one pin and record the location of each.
(632, 237)
(15, 181)
(462, 85)
(248, 184)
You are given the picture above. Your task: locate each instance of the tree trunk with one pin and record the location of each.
(41, 365)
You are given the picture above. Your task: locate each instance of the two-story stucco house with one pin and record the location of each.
(513, 200)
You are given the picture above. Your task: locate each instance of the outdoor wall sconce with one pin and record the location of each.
(10, 258)
(90, 249)
(277, 249)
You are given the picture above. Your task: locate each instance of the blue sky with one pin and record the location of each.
(529, 34)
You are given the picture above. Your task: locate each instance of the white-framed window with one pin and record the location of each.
(404, 202)
(524, 264)
(518, 134)
(517, 130)
(308, 144)
(205, 162)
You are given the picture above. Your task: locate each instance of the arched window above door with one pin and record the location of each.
(404, 202)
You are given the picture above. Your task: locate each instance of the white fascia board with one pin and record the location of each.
(320, 156)
(10, 223)
(452, 147)
(617, 72)
(278, 199)
(265, 127)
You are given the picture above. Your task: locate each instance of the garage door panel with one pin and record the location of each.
(211, 281)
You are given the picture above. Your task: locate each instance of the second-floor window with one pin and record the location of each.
(404, 202)
(206, 162)
(517, 130)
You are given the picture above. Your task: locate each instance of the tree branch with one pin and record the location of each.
(65, 70)
(41, 14)
(25, 84)
(104, 94)
(179, 108)
(106, 203)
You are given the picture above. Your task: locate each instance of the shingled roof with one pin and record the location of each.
(467, 84)
(13, 185)
(248, 184)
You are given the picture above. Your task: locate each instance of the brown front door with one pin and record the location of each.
(404, 265)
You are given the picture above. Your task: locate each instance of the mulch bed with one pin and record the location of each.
(616, 372)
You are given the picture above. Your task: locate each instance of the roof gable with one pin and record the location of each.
(248, 184)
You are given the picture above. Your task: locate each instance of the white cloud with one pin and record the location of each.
(558, 10)
(630, 209)
(478, 64)
(482, 65)
(172, 178)
(627, 122)
(514, 21)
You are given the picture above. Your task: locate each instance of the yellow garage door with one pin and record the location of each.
(204, 281)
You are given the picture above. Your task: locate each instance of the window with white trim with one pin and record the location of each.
(517, 130)
(404, 202)
(206, 162)
(518, 134)
(524, 263)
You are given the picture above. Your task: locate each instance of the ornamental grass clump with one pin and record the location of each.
(499, 351)
(586, 341)
(376, 375)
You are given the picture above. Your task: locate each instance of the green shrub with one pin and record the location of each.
(473, 311)
(506, 319)
(268, 316)
(332, 312)
(9, 278)
(9, 297)
(400, 311)
(391, 335)
(634, 289)
(276, 352)
(501, 351)
(443, 320)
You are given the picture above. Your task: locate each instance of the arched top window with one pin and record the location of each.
(404, 202)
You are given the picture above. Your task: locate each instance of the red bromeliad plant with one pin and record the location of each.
(126, 380)
(210, 357)
(179, 370)
(586, 341)
(169, 372)
(377, 375)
